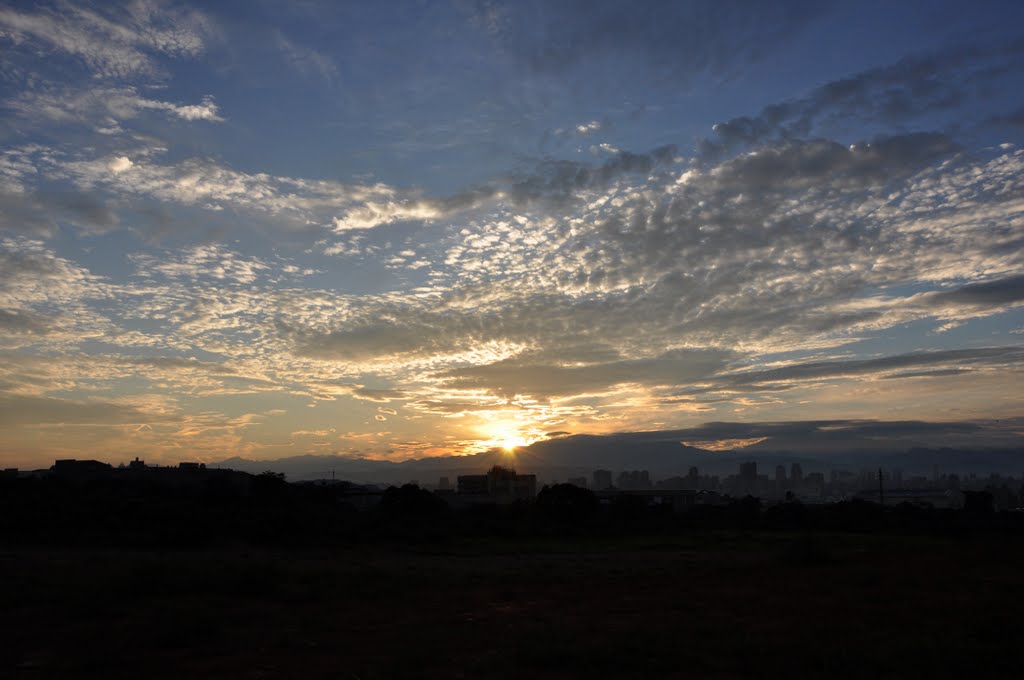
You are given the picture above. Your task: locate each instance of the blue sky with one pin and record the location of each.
(407, 229)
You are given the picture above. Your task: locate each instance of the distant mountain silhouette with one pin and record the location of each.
(664, 456)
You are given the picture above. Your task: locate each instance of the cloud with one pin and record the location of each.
(937, 373)
(19, 410)
(115, 42)
(314, 433)
(49, 300)
(31, 273)
(206, 110)
(305, 61)
(177, 364)
(1014, 119)
(201, 183)
(1005, 291)
(370, 215)
(558, 181)
(299, 203)
(20, 322)
(39, 213)
(366, 341)
(514, 377)
(796, 374)
(808, 165)
(543, 292)
(329, 389)
(604, 147)
(105, 106)
(677, 41)
(548, 182)
(772, 251)
(801, 246)
(842, 429)
(381, 395)
(202, 262)
(910, 88)
(120, 163)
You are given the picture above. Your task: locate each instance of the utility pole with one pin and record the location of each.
(881, 492)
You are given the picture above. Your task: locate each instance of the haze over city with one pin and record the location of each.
(265, 230)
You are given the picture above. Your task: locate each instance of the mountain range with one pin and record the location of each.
(821, 446)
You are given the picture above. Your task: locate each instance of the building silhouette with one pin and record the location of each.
(635, 479)
(748, 471)
(499, 484)
(80, 470)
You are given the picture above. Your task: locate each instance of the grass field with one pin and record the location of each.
(704, 604)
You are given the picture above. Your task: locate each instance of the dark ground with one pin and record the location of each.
(699, 603)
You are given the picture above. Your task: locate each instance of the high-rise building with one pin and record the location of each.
(748, 471)
(634, 479)
(473, 485)
(780, 473)
(602, 480)
(796, 473)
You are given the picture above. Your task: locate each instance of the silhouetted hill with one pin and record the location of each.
(578, 455)
(368, 471)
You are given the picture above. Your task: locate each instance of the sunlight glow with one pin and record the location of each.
(505, 435)
(724, 444)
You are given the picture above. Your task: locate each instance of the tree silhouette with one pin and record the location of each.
(410, 499)
(567, 502)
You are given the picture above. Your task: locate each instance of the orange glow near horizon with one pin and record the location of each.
(507, 435)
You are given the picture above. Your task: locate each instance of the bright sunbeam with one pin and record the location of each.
(505, 436)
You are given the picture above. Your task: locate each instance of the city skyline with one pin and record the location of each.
(410, 231)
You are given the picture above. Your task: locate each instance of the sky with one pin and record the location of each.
(406, 229)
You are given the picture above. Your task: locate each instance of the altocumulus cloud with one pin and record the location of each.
(155, 272)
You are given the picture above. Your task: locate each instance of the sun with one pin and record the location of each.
(505, 436)
(505, 430)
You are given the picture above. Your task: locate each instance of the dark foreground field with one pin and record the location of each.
(702, 604)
